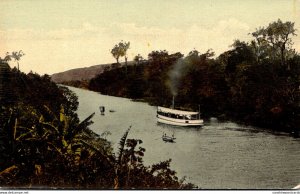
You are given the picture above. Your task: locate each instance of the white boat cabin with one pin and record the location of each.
(178, 117)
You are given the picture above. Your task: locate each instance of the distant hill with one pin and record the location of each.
(85, 73)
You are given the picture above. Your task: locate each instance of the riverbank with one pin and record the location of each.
(45, 144)
(223, 117)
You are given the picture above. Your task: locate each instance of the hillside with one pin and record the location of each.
(85, 73)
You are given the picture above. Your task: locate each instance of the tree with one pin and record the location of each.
(17, 56)
(278, 36)
(124, 46)
(138, 59)
(116, 52)
(120, 50)
(6, 89)
(155, 56)
(195, 56)
(7, 58)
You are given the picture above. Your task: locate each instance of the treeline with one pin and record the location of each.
(84, 84)
(44, 145)
(256, 82)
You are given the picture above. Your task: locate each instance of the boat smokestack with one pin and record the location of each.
(173, 102)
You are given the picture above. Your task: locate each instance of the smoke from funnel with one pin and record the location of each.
(178, 70)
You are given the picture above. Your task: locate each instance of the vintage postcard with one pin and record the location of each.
(149, 95)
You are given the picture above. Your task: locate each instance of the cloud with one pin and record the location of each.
(37, 35)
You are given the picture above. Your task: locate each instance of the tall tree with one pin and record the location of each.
(278, 36)
(120, 50)
(16, 55)
(124, 46)
(116, 52)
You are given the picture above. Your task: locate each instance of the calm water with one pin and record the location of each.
(217, 156)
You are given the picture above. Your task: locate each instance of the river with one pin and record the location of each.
(220, 155)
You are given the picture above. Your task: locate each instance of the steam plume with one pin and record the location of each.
(178, 70)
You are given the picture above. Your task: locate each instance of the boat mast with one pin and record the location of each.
(199, 111)
(173, 102)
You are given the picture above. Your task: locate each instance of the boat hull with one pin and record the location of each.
(179, 122)
(168, 139)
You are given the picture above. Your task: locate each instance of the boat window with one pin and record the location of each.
(161, 113)
(178, 116)
(195, 117)
(173, 116)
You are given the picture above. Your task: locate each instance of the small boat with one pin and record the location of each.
(112, 110)
(178, 117)
(102, 109)
(168, 138)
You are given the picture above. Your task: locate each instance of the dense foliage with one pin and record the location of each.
(256, 82)
(43, 143)
(76, 83)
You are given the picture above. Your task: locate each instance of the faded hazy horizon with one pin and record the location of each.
(60, 35)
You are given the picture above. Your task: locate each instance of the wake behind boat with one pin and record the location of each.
(178, 117)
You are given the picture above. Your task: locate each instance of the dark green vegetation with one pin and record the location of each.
(256, 82)
(44, 145)
(76, 83)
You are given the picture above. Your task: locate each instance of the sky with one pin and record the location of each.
(59, 35)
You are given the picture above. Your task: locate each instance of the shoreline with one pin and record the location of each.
(221, 117)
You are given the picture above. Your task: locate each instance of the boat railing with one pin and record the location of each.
(179, 116)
